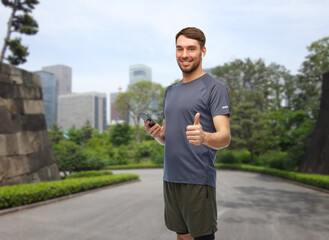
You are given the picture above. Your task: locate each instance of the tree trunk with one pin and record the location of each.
(316, 159)
(5, 45)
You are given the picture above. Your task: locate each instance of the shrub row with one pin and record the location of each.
(320, 181)
(135, 166)
(89, 174)
(18, 195)
(316, 180)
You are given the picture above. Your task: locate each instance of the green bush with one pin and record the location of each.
(278, 160)
(226, 156)
(18, 195)
(120, 134)
(142, 150)
(118, 155)
(320, 181)
(89, 174)
(157, 152)
(135, 166)
(242, 156)
(94, 160)
(69, 156)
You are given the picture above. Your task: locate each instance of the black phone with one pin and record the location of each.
(146, 117)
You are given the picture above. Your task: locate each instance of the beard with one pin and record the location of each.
(196, 63)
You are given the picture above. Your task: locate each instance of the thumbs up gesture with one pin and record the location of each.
(194, 132)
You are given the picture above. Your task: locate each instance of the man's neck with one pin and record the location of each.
(189, 77)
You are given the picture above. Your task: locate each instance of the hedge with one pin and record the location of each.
(89, 174)
(135, 166)
(316, 180)
(18, 195)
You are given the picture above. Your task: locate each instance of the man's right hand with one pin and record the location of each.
(156, 131)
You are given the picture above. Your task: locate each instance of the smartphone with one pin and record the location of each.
(146, 117)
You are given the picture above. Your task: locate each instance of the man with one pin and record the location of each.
(195, 126)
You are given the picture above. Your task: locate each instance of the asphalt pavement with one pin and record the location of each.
(251, 206)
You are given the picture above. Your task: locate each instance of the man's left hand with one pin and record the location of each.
(194, 132)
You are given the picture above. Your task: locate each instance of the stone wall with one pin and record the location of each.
(25, 150)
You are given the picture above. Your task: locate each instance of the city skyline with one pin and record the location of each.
(100, 39)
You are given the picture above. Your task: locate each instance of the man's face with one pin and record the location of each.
(188, 54)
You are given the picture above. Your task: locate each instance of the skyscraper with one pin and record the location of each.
(63, 76)
(78, 108)
(139, 72)
(49, 95)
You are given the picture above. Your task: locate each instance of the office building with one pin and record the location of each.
(63, 76)
(139, 72)
(49, 95)
(78, 108)
(116, 116)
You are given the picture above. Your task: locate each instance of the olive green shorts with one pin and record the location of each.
(190, 208)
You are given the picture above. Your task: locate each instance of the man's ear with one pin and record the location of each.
(204, 50)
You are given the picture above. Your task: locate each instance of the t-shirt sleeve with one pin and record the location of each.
(164, 105)
(219, 100)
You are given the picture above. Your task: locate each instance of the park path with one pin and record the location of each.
(250, 207)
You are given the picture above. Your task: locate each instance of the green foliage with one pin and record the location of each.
(25, 24)
(69, 156)
(120, 134)
(19, 23)
(149, 149)
(138, 99)
(135, 166)
(226, 156)
(289, 131)
(18, 195)
(276, 159)
(252, 81)
(310, 78)
(320, 181)
(157, 153)
(88, 174)
(56, 134)
(94, 160)
(243, 156)
(247, 128)
(118, 155)
(19, 52)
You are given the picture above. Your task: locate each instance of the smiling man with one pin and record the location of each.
(195, 126)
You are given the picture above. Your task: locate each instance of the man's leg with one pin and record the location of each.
(184, 237)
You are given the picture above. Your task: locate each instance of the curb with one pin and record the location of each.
(38, 204)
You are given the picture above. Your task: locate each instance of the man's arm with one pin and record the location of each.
(216, 140)
(157, 132)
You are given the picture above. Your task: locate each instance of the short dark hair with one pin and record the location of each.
(193, 33)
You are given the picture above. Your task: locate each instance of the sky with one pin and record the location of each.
(100, 39)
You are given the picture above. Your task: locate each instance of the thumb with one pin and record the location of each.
(196, 119)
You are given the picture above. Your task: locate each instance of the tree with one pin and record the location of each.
(288, 131)
(316, 159)
(19, 23)
(86, 133)
(120, 134)
(247, 127)
(310, 77)
(252, 81)
(55, 134)
(69, 156)
(138, 99)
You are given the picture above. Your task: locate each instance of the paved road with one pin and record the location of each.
(250, 207)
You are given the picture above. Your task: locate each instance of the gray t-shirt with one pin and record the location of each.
(185, 162)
